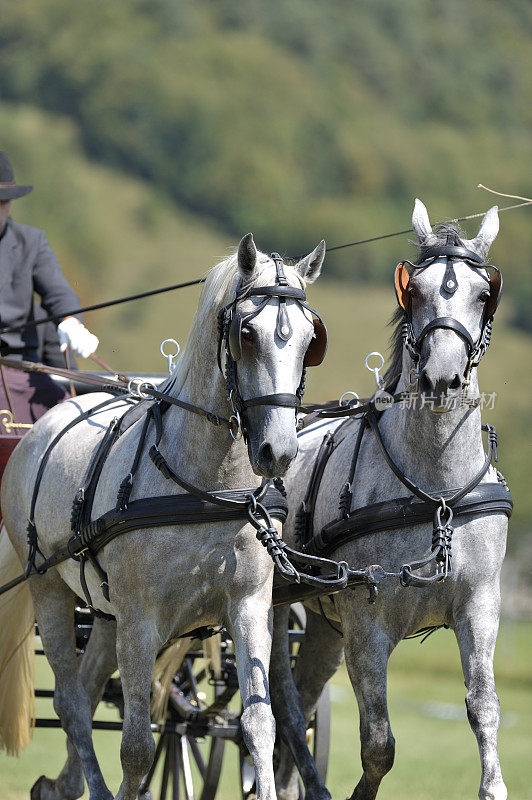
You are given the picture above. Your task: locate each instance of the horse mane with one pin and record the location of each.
(219, 288)
(439, 236)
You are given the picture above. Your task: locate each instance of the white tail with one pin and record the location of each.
(169, 662)
(17, 697)
(165, 668)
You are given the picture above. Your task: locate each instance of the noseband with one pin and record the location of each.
(452, 252)
(231, 320)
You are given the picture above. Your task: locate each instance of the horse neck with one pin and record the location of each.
(436, 451)
(201, 451)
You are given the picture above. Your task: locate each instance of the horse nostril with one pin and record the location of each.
(266, 455)
(456, 383)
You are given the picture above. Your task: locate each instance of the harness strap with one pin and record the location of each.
(449, 323)
(405, 512)
(305, 513)
(284, 400)
(32, 532)
(435, 501)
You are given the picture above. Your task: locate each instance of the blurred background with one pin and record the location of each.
(158, 132)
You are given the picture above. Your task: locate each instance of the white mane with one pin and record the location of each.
(218, 290)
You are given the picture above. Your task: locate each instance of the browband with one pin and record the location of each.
(451, 251)
(274, 291)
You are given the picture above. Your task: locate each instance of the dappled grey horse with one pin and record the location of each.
(449, 303)
(169, 580)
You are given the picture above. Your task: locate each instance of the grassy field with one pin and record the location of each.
(436, 751)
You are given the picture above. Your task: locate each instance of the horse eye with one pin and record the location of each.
(484, 296)
(413, 291)
(246, 334)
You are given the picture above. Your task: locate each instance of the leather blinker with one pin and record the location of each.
(402, 279)
(495, 293)
(318, 345)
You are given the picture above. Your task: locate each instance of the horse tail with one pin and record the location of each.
(169, 662)
(17, 618)
(166, 666)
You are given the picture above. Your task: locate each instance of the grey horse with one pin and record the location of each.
(169, 580)
(438, 451)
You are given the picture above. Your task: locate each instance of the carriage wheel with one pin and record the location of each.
(318, 731)
(185, 766)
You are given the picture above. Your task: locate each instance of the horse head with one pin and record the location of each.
(271, 338)
(449, 298)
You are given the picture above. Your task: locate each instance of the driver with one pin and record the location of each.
(27, 265)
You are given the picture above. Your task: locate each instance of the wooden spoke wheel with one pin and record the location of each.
(318, 731)
(189, 753)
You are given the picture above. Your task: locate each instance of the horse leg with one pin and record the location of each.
(136, 646)
(54, 606)
(97, 665)
(367, 651)
(250, 623)
(476, 629)
(319, 657)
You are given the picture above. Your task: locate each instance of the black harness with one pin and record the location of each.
(452, 251)
(230, 323)
(258, 506)
(471, 500)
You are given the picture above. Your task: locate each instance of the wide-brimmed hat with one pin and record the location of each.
(8, 188)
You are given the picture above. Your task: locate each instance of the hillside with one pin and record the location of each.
(115, 236)
(292, 122)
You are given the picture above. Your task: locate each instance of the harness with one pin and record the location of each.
(230, 323)
(452, 251)
(259, 506)
(403, 512)
(470, 500)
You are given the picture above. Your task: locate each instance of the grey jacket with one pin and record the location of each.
(27, 265)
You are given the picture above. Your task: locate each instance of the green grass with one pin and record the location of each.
(436, 752)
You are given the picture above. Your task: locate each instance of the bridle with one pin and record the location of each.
(231, 320)
(452, 252)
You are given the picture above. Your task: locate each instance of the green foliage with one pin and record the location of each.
(290, 118)
(117, 236)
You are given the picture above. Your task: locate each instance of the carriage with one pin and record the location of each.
(203, 710)
(311, 569)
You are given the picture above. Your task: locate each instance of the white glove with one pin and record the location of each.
(73, 333)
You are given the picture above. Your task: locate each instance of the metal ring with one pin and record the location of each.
(133, 386)
(375, 370)
(369, 355)
(238, 435)
(170, 355)
(355, 397)
(141, 392)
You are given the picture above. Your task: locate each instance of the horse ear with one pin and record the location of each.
(310, 267)
(489, 228)
(247, 255)
(420, 222)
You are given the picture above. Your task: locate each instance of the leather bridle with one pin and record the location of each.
(231, 320)
(452, 252)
